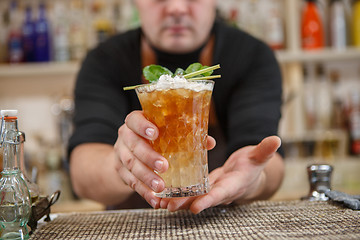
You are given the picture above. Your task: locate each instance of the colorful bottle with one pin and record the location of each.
(15, 205)
(42, 52)
(312, 30)
(338, 25)
(15, 48)
(356, 23)
(28, 31)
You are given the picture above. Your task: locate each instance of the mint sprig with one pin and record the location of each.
(154, 72)
(195, 71)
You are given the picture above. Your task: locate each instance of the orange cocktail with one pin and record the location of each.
(181, 112)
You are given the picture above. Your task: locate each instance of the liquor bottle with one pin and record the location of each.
(77, 36)
(61, 33)
(312, 31)
(28, 31)
(323, 100)
(274, 27)
(42, 52)
(338, 25)
(356, 23)
(15, 48)
(102, 24)
(15, 204)
(354, 122)
(3, 37)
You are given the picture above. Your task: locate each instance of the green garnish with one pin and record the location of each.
(195, 71)
(153, 72)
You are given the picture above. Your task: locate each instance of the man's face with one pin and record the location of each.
(176, 26)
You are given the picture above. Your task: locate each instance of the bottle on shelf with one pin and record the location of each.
(309, 93)
(28, 32)
(61, 33)
(338, 113)
(323, 100)
(42, 31)
(15, 46)
(102, 25)
(338, 25)
(77, 34)
(15, 204)
(3, 36)
(274, 27)
(356, 23)
(312, 30)
(354, 122)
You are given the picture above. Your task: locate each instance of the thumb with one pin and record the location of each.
(265, 149)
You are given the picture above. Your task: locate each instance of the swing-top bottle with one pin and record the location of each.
(15, 205)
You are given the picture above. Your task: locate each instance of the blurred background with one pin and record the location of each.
(42, 44)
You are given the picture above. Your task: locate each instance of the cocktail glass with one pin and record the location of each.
(181, 114)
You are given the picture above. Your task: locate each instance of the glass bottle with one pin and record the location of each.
(15, 206)
(42, 53)
(356, 23)
(338, 25)
(28, 31)
(312, 30)
(33, 187)
(15, 51)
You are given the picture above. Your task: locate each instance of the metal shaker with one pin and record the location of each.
(319, 176)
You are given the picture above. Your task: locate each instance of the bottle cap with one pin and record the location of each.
(9, 113)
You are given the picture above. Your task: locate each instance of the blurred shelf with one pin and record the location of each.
(71, 68)
(26, 70)
(330, 134)
(323, 55)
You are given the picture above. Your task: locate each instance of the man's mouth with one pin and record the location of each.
(177, 29)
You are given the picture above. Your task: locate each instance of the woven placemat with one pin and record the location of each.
(258, 220)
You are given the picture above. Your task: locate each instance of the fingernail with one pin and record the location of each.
(154, 184)
(153, 203)
(150, 132)
(159, 164)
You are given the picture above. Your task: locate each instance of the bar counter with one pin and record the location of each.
(258, 220)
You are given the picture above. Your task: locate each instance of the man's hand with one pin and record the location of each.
(252, 172)
(136, 160)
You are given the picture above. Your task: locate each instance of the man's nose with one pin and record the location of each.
(177, 7)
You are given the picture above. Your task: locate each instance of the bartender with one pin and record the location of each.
(111, 160)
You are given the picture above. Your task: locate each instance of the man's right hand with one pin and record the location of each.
(136, 159)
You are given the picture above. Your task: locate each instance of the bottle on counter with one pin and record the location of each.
(312, 30)
(34, 189)
(28, 32)
(15, 204)
(356, 23)
(42, 30)
(15, 45)
(338, 25)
